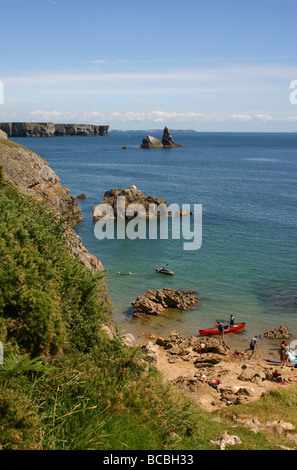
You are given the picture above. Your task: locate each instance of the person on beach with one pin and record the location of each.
(213, 383)
(282, 353)
(253, 345)
(232, 320)
(238, 353)
(220, 326)
(286, 354)
(279, 378)
(201, 349)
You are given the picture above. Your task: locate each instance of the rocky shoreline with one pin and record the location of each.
(194, 365)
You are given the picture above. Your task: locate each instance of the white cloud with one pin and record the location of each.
(153, 116)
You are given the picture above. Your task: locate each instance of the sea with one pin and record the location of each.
(247, 262)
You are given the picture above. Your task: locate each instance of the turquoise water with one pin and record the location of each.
(246, 184)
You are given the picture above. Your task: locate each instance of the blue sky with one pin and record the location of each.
(209, 65)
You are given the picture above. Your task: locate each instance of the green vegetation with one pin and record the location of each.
(11, 144)
(64, 384)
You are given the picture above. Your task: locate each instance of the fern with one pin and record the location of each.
(16, 366)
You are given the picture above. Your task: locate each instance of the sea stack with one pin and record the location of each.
(167, 139)
(150, 142)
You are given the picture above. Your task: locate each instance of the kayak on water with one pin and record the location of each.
(164, 271)
(215, 330)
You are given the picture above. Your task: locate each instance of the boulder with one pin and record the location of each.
(151, 353)
(224, 439)
(129, 340)
(154, 301)
(282, 332)
(3, 134)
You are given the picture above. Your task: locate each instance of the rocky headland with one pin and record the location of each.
(167, 141)
(50, 129)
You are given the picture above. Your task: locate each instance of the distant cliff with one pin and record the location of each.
(49, 129)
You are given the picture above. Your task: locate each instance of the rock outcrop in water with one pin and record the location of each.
(132, 196)
(154, 301)
(49, 129)
(150, 142)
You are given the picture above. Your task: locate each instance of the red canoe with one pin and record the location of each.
(215, 330)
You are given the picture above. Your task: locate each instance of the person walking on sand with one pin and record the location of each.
(253, 345)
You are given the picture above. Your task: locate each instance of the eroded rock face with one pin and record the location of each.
(35, 178)
(132, 195)
(3, 134)
(49, 129)
(154, 301)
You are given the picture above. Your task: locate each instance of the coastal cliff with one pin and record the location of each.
(50, 129)
(34, 177)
